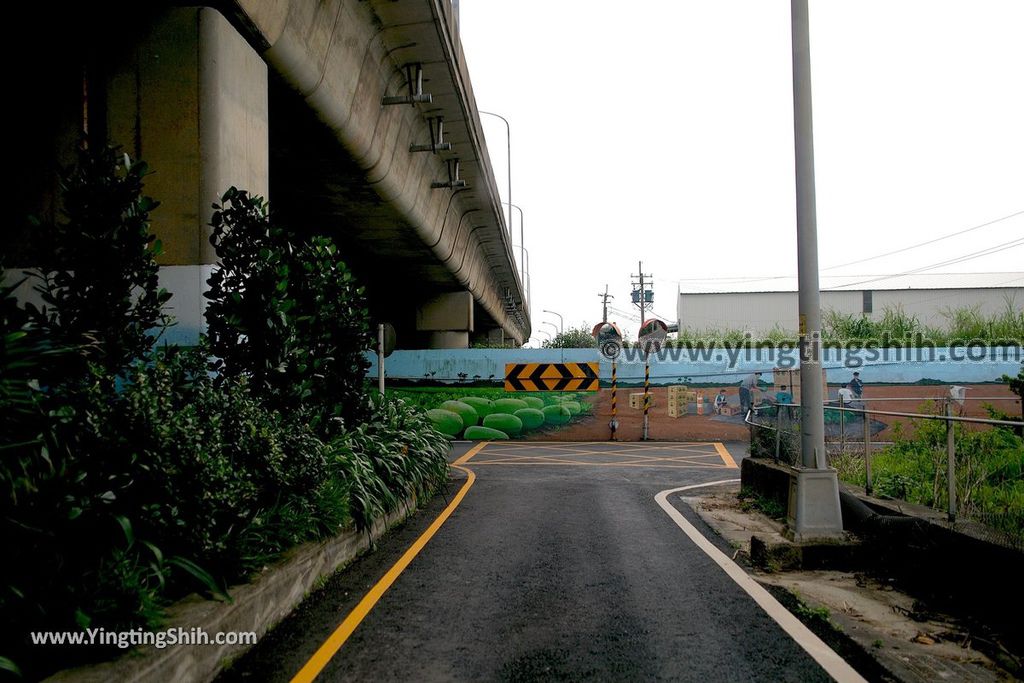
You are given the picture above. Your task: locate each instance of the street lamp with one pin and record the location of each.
(508, 138)
(561, 322)
(522, 245)
(553, 326)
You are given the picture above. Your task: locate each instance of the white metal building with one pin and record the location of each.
(926, 296)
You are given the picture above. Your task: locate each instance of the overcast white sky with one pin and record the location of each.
(662, 131)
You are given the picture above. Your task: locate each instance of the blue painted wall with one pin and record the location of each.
(889, 366)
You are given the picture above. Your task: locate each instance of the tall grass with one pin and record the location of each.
(966, 324)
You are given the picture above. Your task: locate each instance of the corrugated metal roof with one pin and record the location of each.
(877, 283)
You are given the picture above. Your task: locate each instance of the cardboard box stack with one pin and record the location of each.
(636, 400)
(791, 379)
(679, 398)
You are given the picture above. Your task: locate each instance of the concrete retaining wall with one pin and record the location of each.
(256, 607)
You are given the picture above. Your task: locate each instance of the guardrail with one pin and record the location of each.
(783, 420)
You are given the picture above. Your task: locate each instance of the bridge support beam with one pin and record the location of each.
(192, 102)
(448, 319)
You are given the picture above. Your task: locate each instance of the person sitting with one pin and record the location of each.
(721, 401)
(846, 396)
(783, 396)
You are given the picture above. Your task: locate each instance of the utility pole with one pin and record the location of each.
(604, 302)
(643, 294)
(817, 511)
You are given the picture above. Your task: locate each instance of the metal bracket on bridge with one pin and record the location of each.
(437, 143)
(453, 177)
(414, 78)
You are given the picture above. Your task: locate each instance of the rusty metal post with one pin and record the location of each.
(867, 451)
(951, 460)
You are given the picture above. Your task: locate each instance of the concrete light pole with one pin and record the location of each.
(522, 245)
(561, 322)
(508, 138)
(817, 510)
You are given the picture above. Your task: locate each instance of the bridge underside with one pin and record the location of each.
(286, 99)
(315, 184)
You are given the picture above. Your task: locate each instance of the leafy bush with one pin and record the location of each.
(205, 458)
(129, 478)
(100, 283)
(288, 316)
(396, 454)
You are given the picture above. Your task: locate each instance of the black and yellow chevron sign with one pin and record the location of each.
(551, 377)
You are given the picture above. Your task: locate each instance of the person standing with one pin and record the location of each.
(747, 388)
(856, 386)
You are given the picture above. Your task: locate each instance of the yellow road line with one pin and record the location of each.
(597, 464)
(470, 453)
(726, 456)
(330, 647)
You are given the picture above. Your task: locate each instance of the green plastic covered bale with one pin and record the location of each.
(534, 401)
(467, 412)
(482, 406)
(573, 407)
(445, 421)
(478, 433)
(510, 424)
(509, 405)
(531, 417)
(556, 415)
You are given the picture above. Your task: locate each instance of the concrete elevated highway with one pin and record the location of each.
(355, 118)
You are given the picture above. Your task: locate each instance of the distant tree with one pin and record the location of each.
(573, 338)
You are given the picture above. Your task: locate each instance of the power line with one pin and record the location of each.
(960, 259)
(739, 279)
(922, 244)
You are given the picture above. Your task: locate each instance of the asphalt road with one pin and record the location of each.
(557, 565)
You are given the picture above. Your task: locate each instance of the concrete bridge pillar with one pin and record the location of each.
(192, 103)
(448, 319)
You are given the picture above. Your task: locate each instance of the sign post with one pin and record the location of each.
(652, 335)
(609, 341)
(385, 345)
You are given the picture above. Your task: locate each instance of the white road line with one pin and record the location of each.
(831, 662)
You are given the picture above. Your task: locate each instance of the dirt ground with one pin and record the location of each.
(710, 427)
(910, 641)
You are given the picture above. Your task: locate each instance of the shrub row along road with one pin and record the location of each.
(558, 564)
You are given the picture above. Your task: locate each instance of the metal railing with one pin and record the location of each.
(782, 422)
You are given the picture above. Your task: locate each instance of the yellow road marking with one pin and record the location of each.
(726, 457)
(470, 453)
(477, 463)
(330, 647)
(673, 455)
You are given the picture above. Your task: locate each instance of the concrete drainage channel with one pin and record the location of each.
(923, 599)
(255, 607)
